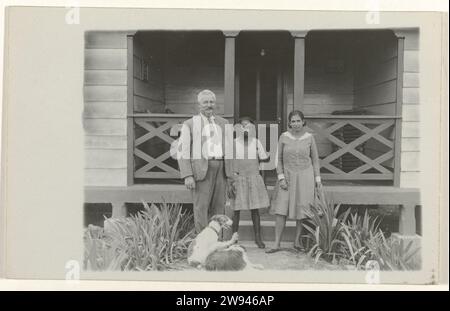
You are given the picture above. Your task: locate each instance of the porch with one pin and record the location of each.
(347, 151)
(348, 83)
(406, 198)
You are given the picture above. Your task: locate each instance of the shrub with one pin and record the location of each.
(98, 253)
(393, 254)
(154, 239)
(353, 239)
(357, 232)
(325, 228)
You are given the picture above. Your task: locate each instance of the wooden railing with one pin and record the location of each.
(360, 147)
(152, 141)
(153, 136)
(350, 147)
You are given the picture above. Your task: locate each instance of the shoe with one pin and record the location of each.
(273, 250)
(299, 248)
(260, 244)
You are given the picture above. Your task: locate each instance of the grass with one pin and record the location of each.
(352, 239)
(325, 228)
(156, 238)
(393, 254)
(358, 230)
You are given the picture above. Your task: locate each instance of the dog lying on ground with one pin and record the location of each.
(207, 241)
(233, 258)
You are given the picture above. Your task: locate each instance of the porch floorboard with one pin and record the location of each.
(159, 193)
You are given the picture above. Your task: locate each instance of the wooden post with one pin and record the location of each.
(398, 110)
(407, 225)
(118, 209)
(130, 110)
(229, 73)
(299, 68)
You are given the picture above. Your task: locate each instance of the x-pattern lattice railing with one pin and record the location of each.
(155, 127)
(371, 128)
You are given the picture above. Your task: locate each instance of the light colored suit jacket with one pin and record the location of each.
(197, 165)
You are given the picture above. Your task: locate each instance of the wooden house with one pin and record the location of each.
(359, 90)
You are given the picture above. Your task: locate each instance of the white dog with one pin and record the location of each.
(233, 258)
(207, 241)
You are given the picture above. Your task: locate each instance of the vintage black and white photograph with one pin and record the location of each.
(198, 148)
(238, 149)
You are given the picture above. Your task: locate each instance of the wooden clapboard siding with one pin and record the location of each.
(175, 85)
(106, 158)
(105, 126)
(153, 92)
(325, 108)
(387, 109)
(188, 95)
(410, 179)
(192, 108)
(105, 40)
(321, 100)
(142, 104)
(105, 93)
(410, 129)
(97, 109)
(410, 144)
(411, 60)
(410, 161)
(148, 94)
(410, 156)
(375, 82)
(105, 142)
(411, 79)
(105, 108)
(105, 77)
(318, 79)
(379, 94)
(327, 91)
(410, 95)
(411, 112)
(376, 73)
(147, 91)
(105, 177)
(108, 59)
(412, 38)
(324, 92)
(193, 75)
(184, 83)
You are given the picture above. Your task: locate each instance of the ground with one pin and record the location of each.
(287, 259)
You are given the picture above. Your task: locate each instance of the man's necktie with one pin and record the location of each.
(211, 127)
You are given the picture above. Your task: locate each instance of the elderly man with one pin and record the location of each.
(202, 164)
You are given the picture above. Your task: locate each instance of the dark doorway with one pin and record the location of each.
(262, 59)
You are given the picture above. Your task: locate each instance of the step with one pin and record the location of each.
(263, 214)
(267, 230)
